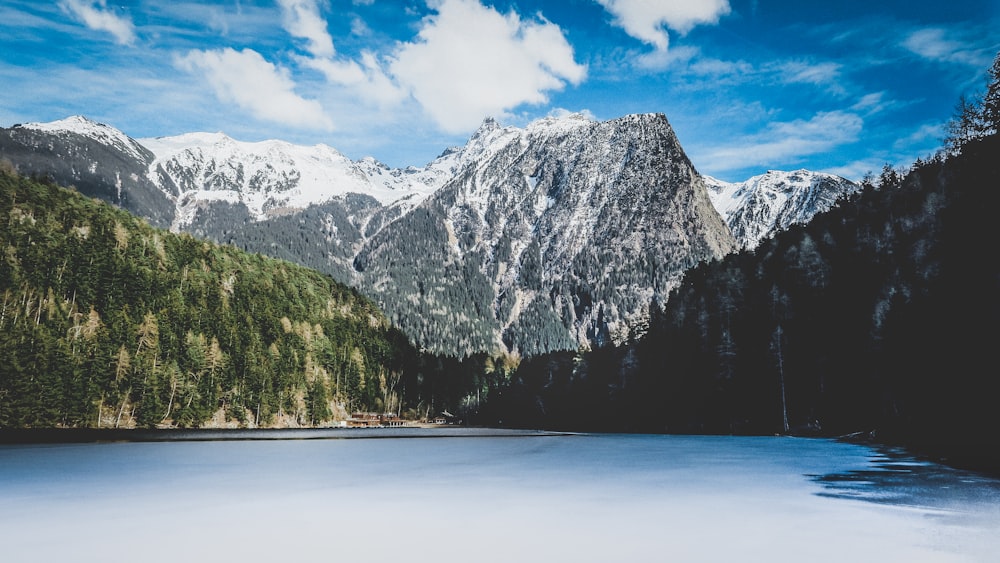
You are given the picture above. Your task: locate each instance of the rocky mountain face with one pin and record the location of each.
(561, 233)
(553, 236)
(763, 205)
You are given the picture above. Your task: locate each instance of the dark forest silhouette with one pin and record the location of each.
(878, 318)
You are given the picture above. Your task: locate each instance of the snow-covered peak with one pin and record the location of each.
(165, 147)
(220, 144)
(273, 176)
(104, 134)
(560, 124)
(773, 201)
(412, 184)
(489, 136)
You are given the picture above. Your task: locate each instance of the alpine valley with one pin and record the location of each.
(561, 235)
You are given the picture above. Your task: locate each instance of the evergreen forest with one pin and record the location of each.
(106, 321)
(876, 320)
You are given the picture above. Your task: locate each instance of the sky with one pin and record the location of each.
(840, 86)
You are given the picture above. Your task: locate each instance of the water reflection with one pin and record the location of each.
(895, 477)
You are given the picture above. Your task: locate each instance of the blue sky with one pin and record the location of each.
(840, 86)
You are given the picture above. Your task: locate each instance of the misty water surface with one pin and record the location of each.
(529, 498)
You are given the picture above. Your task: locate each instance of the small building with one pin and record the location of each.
(374, 420)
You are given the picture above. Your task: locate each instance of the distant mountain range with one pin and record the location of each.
(554, 236)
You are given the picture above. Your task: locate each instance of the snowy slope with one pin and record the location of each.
(273, 177)
(99, 132)
(559, 235)
(765, 204)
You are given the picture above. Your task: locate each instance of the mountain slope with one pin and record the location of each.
(95, 159)
(551, 236)
(763, 205)
(271, 178)
(106, 321)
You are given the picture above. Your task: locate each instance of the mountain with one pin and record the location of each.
(557, 235)
(273, 178)
(106, 321)
(553, 236)
(95, 159)
(763, 205)
(875, 319)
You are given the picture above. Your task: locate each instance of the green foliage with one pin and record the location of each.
(442, 302)
(106, 321)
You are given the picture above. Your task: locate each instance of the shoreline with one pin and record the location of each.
(28, 436)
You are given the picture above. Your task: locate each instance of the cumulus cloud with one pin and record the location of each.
(96, 16)
(246, 79)
(784, 143)
(301, 18)
(469, 61)
(365, 79)
(646, 19)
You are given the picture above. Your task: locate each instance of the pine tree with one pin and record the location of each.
(991, 101)
(976, 117)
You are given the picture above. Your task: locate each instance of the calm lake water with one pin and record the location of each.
(490, 498)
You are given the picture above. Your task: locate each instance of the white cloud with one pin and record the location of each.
(469, 61)
(804, 72)
(359, 27)
(301, 19)
(856, 170)
(657, 60)
(939, 45)
(247, 80)
(927, 137)
(366, 80)
(784, 143)
(872, 103)
(96, 16)
(646, 19)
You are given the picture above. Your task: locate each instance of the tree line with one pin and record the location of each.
(879, 317)
(106, 321)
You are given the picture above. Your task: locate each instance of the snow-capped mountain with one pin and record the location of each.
(763, 205)
(552, 236)
(96, 159)
(560, 234)
(275, 177)
(98, 132)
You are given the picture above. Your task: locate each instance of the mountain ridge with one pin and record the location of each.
(560, 247)
(764, 204)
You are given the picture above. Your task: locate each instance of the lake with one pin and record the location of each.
(461, 495)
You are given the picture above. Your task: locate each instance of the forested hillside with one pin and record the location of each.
(106, 321)
(877, 316)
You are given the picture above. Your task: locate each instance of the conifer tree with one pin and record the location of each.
(991, 101)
